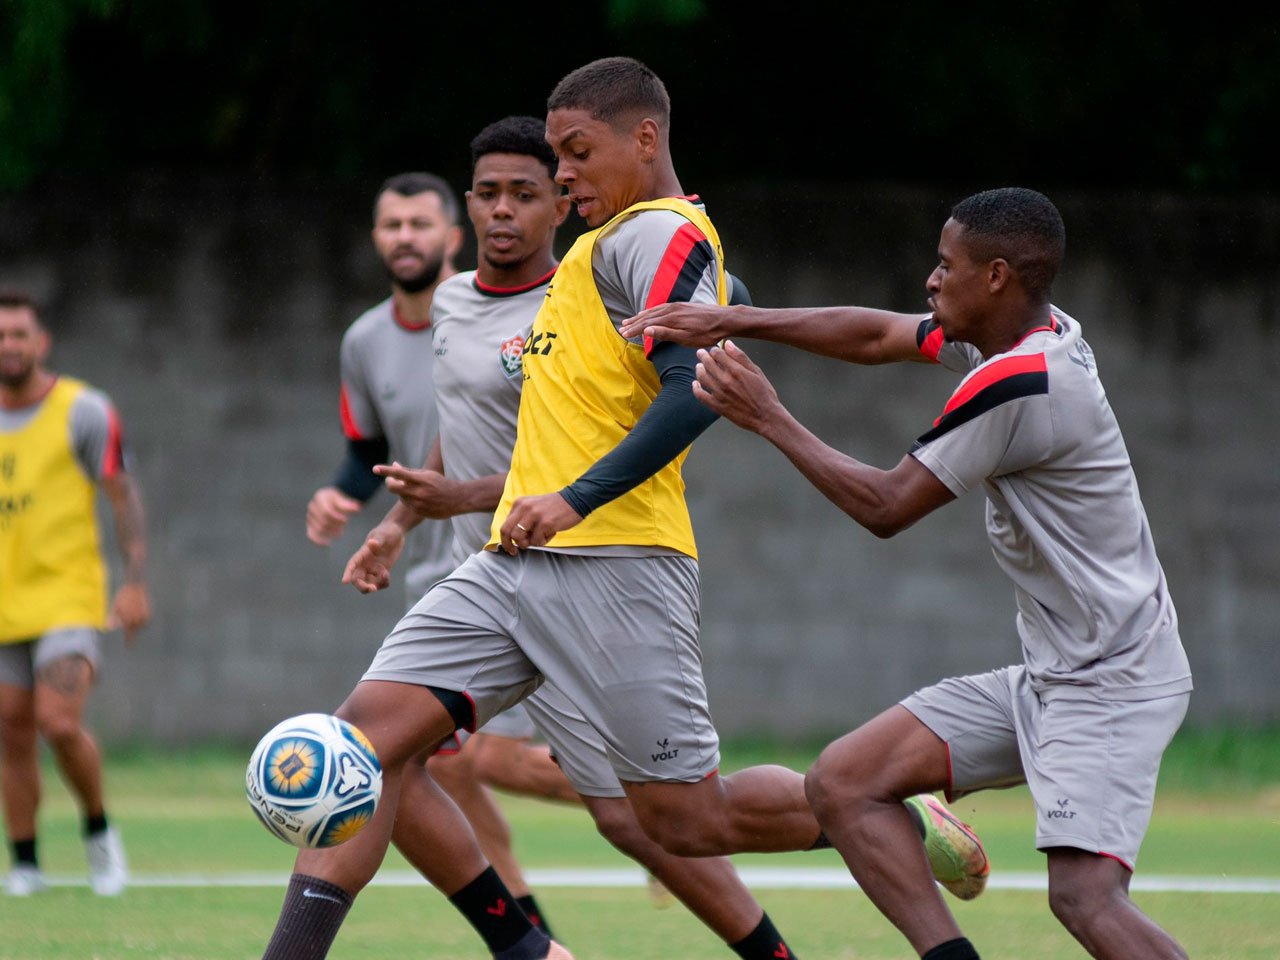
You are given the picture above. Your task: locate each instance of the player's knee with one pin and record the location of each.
(1076, 899)
(619, 826)
(59, 728)
(830, 785)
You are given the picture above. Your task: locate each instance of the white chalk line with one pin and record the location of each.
(764, 878)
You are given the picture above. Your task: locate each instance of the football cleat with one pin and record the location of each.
(956, 856)
(108, 872)
(24, 880)
(558, 952)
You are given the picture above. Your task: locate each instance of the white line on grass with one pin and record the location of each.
(776, 878)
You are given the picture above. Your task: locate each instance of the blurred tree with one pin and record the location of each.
(1114, 95)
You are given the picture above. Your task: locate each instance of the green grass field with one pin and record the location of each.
(209, 878)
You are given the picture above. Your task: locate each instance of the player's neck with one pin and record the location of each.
(524, 274)
(413, 310)
(28, 393)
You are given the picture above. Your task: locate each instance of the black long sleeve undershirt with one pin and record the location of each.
(672, 422)
(355, 476)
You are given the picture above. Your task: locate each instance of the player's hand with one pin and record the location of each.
(734, 387)
(369, 569)
(130, 610)
(535, 520)
(429, 494)
(328, 513)
(692, 324)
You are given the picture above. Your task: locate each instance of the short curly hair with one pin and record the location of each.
(611, 89)
(523, 136)
(1019, 225)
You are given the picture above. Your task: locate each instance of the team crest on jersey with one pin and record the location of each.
(510, 353)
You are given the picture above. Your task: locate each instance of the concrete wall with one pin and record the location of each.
(211, 312)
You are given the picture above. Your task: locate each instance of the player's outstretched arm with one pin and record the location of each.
(886, 502)
(430, 494)
(854, 334)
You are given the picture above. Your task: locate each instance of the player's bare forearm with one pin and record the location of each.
(854, 334)
(885, 502)
(130, 525)
(430, 494)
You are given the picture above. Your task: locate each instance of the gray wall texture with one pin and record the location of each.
(211, 312)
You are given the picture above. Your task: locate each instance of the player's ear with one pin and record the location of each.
(999, 274)
(648, 139)
(562, 209)
(454, 244)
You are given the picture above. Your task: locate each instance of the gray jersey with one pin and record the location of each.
(1034, 428)
(96, 437)
(627, 262)
(479, 334)
(387, 392)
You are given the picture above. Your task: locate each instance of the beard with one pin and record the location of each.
(16, 377)
(419, 281)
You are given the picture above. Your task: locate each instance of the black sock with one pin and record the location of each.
(95, 824)
(309, 920)
(489, 907)
(960, 949)
(534, 913)
(763, 943)
(822, 843)
(24, 852)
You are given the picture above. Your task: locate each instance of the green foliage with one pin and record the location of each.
(1049, 94)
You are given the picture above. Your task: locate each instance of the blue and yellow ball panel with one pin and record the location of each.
(293, 768)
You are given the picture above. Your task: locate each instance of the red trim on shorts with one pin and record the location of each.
(949, 790)
(450, 747)
(349, 428)
(1112, 856)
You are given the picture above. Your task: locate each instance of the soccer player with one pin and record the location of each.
(386, 402)
(589, 578)
(480, 321)
(388, 410)
(1104, 682)
(60, 442)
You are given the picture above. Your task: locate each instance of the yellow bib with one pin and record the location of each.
(584, 389)
(51, 569)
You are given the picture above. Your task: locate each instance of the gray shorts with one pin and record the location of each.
(577, 748)
(514, 723)
(617, 635)
(1090, 763)
(20, 662)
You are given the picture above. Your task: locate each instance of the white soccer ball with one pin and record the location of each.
(314, 780)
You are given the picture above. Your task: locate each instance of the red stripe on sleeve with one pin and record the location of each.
(113, 455)
(673, 259)
(1000, 370)
(349, 428)
(932, 343)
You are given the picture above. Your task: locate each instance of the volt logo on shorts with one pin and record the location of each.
(665, 750)
(1061, 813)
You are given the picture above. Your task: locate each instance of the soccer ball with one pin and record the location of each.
(314, 780)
